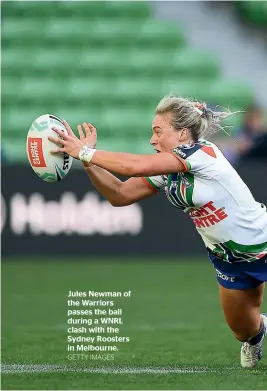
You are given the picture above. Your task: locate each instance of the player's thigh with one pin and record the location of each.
(242, 307)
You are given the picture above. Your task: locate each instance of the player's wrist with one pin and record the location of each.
(86, 154)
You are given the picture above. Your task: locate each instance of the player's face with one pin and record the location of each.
(165, 137)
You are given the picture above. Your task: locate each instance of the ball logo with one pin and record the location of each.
(66, 161)
(35, 152)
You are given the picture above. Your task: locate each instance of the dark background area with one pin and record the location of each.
(159, 228)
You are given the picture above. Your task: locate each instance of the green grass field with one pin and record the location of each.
(179, 339)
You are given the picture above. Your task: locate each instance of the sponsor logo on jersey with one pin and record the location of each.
(187, 150)
(207, 215)
(35, 152)
(179, 152)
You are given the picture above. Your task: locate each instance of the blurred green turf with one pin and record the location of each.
(173, 318)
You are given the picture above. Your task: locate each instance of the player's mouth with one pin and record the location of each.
(158, 151)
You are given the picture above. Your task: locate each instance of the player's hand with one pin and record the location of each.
(68, 143)
(88, 134)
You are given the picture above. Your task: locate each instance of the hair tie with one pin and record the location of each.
(201, 109)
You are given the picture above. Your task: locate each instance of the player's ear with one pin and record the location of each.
(183, 134)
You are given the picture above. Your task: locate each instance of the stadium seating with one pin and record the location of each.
(104, 62)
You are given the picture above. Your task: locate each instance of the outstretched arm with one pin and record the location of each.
(118, 162)
(138, 165)
(118, 193)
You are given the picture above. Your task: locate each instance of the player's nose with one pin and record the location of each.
(153, 140)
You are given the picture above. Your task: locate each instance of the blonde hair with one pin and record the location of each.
(195, 116)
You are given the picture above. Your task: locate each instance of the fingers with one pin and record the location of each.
(67, 126)
(86, 129)
(93, 129)
(56, 141)
(91, 126)
(59, 132)
(80, 131)
(57, 150)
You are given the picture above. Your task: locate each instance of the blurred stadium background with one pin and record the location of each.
(109, 63)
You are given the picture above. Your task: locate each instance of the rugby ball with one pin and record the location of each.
(50, 168)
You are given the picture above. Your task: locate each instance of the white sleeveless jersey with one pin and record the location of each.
(231, 223)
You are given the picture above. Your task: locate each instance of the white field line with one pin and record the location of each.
(124, 370)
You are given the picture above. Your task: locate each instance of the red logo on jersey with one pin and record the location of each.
(35, 152)
(207, 215)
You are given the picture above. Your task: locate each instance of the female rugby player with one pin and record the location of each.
(198, 179)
